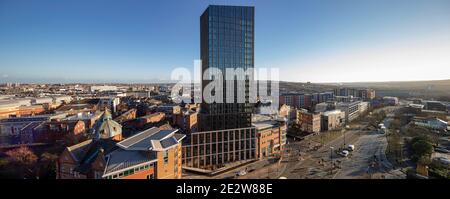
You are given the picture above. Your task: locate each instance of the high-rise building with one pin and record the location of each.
(227, 41)
(225, 134)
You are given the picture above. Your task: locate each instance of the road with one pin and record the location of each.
(308, 159)
(316, 164)
(367, 161)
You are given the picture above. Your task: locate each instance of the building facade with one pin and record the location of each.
(271, 137)
(363, 94)
(225, 134)
(227, 41)
(212, 150)
(308, 121)
(351, 110)
(332, 120)
(150, 154)
(185, 119)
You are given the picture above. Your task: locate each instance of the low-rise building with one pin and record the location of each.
(363, 107)
(435, 106)
(89, 118)
(308, 121)
(390, 101)
(87, 160)
(110, 103)
(351, 110)
(42, 100)
(271, 136)
(152, 118)
(107, 128)
(70, 131)
(363, 94)
(150, 154)
(332, 120)
(288, 112)
(415, 108)
(21, 107)
(210, 151)
(12, 126)
(103, 88)
(128, 115)
(349, 98)
(62, 99)
(431, 123)
(73, 109)
(185, 119)
(25, 111)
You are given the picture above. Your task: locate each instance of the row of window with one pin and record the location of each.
(199, 161)
(229, 62)
(227, 136)
(131, 171)
(234, 20)
(230, 26)
(231, 12)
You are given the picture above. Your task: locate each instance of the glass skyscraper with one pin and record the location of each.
(226, 134)
(227, 41)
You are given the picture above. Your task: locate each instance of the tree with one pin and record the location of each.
(22, 161)
(22, 156)
(421, 147)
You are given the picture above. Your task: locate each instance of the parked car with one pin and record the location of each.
(351, 147)
(344, 153)
(443, 161)
(441, 150)
(241, 173)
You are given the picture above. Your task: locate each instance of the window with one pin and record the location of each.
(166, 156)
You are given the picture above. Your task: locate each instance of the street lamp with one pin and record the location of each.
(331, 158)
(344, 138)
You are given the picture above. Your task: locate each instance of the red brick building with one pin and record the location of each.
(87, 159)
(71, 131)
(185, 119)
(308, 122)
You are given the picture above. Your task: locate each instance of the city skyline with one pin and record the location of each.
(48, 42)
(297, 90)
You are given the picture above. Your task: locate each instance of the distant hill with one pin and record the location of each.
(434, 89)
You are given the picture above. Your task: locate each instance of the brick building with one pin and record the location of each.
(271, 136)
(308, 121)
(150, 154)
(87, 159)
(332, 120)
(185, 119)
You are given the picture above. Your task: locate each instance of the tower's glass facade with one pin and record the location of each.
(225, 134)
(227, 41)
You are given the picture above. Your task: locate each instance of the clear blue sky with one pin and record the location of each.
(142, 41)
